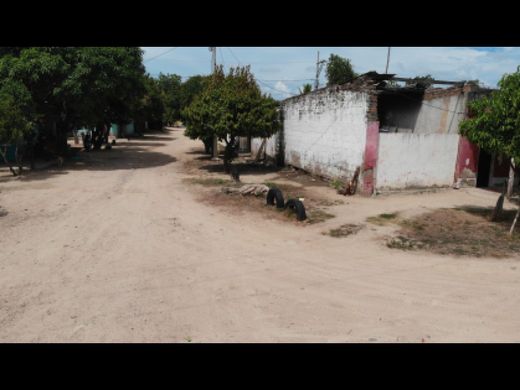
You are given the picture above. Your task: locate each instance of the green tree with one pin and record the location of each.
(15, 123)
(151, 107)
(77, 86)
(307, 88)
(231, 106)
(192, 87)
(494, 121)
(339, 70)
(170, 87)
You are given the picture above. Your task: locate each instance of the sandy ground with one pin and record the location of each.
(115, 247)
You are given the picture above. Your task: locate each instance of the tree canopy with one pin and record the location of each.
(231, 106)
(76, 86)
(494, 120)
(170, 89)
(339, 70)
(15, 111)
(192, 87)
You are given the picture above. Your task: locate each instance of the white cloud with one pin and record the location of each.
(281, 86)
(299, 63)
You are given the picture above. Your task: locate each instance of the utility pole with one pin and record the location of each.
(319, 66)
(387, 59)
(213, 70)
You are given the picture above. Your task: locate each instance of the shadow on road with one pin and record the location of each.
(244, 168)
(136, 154)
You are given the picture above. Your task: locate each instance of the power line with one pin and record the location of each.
(423, 102)
(260, 81)
(221, 56)
(274, 89)
(233, 54)
(159, 55)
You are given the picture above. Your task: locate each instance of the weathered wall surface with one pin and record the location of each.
(440, 114)
(271, 146)
(325, 132)
(416, 160)
(467, 163)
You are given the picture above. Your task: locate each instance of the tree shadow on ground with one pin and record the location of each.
(118, 158)
(244, 168)
(196, 151)
(150, 137)
(121, 143)
(505, 219)
(124, 155)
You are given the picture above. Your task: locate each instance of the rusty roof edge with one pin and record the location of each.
(368, 82)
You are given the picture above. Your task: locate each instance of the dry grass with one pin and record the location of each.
(344, 230)
(209, 181)
(463, 231)
(239, 204)
(318, 215)
(383, 219)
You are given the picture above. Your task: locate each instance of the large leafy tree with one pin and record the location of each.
(15, 125)
(76, 86)
(339, 70)
(494, 120)
(231, 106)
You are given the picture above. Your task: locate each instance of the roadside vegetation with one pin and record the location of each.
(464, 231)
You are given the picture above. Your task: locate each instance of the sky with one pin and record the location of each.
(281, 71)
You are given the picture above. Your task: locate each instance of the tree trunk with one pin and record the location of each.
(229, 154)
(4, 157)
(61, 138)
(19, 159)
(208, 147)
(514, 222)
(511, 180)
(32, 164)
(214, 147)
(497, 212)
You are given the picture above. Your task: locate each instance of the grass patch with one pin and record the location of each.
(458, 232)
(383, 219)
(317, 216)
(329, 203)
(344, 230)
(337, 184)
(209, 181)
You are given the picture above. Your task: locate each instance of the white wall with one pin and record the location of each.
(325, 132)
(416, 160)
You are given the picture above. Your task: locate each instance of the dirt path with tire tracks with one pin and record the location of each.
(114, 247)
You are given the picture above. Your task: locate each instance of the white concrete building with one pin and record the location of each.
(400, 137)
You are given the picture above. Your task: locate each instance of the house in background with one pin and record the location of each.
(118, 131)
(400, 136)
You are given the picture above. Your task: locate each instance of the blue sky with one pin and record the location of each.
(282, 70)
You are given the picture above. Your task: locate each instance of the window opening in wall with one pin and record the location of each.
(398, 109)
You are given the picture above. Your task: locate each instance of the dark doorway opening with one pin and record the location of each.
(484, 169)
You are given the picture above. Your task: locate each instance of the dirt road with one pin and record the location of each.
(114, 247)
